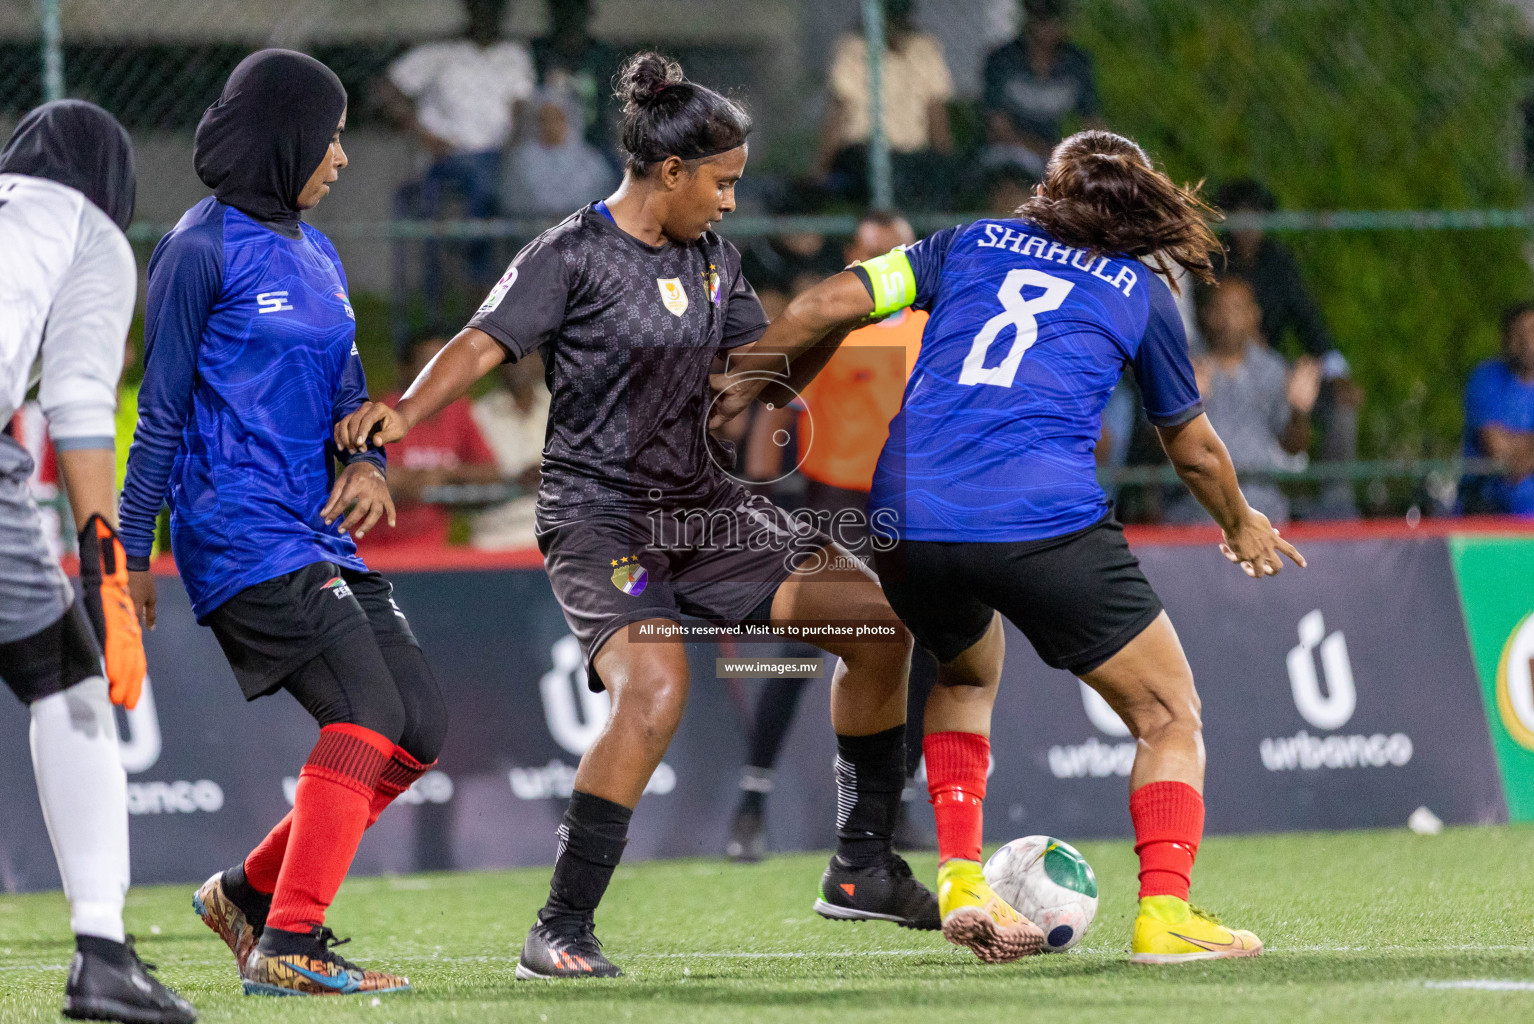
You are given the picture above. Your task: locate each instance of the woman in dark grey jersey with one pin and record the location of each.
(634, 302)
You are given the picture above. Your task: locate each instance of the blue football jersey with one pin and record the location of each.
(1027, 338)
(249, 361)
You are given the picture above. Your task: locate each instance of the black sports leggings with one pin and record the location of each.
(387, 688)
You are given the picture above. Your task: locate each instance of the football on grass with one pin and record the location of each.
(1048, 882)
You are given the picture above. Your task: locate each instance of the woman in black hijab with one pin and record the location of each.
(250, 359)
(78, 144)
(260, 147)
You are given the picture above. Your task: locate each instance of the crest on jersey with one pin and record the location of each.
(672, 294)
(628, 575)
(499, 291)
(711, 281)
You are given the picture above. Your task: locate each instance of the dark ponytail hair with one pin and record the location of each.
(666, 115)
(1101, 193)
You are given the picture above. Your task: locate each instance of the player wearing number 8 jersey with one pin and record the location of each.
(987, 487)
(992, 446)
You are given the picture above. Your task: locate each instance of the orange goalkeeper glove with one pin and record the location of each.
(104, 579)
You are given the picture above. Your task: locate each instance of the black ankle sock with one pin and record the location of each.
(591, 842)
(279, 942)
(870, 773)
(115, 953)
(253, 903)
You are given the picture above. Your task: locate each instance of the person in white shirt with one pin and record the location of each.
(67, 287)
(555, 170)
(463, 100)
(916, 88)
(512, 419)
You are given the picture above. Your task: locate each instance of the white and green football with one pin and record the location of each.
(1049, 882)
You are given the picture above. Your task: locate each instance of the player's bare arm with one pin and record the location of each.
(469, 356)
(806, 335)
(1203, 464)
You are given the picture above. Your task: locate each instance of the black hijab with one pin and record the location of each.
(259, 143)
(78, 144)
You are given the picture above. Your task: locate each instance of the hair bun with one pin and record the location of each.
(645, 77)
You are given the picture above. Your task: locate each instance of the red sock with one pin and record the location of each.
(1169, 822)
(397, 776)
(265, 861)
(330, 813)
(956, 767)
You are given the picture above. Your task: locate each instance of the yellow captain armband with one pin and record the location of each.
(890, 280)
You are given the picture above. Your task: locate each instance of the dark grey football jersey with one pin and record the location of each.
(628, 333)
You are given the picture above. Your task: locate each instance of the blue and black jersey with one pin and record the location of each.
(1027, 339)
(250, 359)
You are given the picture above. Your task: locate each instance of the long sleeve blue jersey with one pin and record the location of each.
(249, 360)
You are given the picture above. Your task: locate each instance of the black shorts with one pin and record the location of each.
(53, 659)
(1078, 598)
(270, 629)
(721, 560)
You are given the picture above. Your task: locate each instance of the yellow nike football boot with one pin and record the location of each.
(974, 916)
(1169, 931)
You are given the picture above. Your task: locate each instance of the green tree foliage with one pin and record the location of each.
(1348, 104)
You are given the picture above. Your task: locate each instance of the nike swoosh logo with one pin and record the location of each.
(339, 983)
(1211, 946)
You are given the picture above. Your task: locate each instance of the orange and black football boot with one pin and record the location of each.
(564, 947)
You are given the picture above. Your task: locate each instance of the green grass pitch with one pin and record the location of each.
(1359, 926)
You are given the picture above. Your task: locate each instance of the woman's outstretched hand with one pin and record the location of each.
(1255, 546)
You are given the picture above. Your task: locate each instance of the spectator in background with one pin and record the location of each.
(1034, 83)
(461, 99)
(554, 171)
(1259, 407)
(1290, 316)
(1499, 421)
(916, 89)
(512, 419)
(781, 266)
(1007, 187)
(445, 449)
(571, 61)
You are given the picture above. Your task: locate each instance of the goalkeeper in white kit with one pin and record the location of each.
(67, 287)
